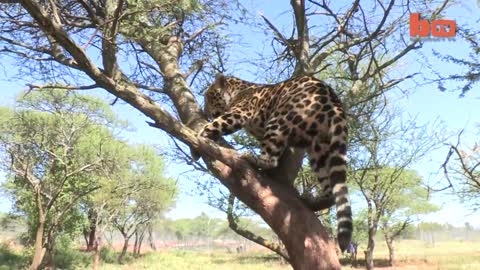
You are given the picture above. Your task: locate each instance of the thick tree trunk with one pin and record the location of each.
(139, 235)
(301, 46)
(232, 223)
(370, 247)
(91, 239)
(391, 250)
(135, 244)
(50, 264)
(353, 256)
(142, 236)
(92, 229)
(97, 249)
(124, 250)
(151, 239)
(39, 250)
(306, 241)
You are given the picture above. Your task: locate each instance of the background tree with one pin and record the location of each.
(149, 194)
(466, 72)
(131, 198)
(383, 152)
(462, 170)
(410, 198)
(53, 148)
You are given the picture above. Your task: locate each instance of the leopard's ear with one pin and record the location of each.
(220, 80)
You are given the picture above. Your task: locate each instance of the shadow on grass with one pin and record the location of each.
(249, 259)
(272, 258)
(379, 263)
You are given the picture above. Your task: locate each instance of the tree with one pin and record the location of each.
(54, 146)
(174, 43)
(409, 199)
(131, 198)
(462, 170)
(379, 170)
(148, 195)
(360, 234)
(471, 64)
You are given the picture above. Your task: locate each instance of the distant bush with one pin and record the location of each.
(9, 259)
(68, 257)
(108, 255)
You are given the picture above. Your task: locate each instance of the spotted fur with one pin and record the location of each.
(301, 112)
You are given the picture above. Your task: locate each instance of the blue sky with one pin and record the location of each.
(425, 102)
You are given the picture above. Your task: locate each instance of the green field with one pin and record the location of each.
(449, 255)
(411, 255)
(193, 260)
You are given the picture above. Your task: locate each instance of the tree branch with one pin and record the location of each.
(232, 223)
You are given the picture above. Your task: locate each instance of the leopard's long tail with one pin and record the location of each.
(337, 164)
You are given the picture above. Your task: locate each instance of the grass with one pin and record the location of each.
(411, 255)
(197, 260)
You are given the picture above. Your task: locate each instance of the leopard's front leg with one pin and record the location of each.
(223, 125)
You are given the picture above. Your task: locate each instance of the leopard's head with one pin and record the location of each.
(218, 96)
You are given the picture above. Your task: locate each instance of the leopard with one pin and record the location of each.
(301, 112)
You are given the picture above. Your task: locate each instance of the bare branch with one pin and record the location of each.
(302, 44)
(32, 87)
(277, 33)
(149, 88)
(84, 168)
(232, 223)
(200, 31)
(467, 170)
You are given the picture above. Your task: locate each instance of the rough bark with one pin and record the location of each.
(151, 240)
(301, 46)
(92, 234)
(139, 235)
(124, 250)
(39, 249)
(390, 236)
(97, 249)
(369, 263)
(232, 223)
(135, 244)
(50, 264)
(391, 250)
(91, 239)
(139, 245)
(96, 257)
(306, 241)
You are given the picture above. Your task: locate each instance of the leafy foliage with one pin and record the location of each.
(63, 159)
(469, 75)
(461, 169)
(53, 146)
